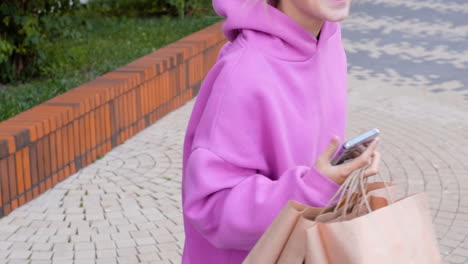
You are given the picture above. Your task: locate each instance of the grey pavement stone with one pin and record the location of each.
(105, 245)
(130, 251)
(41, 262)
(126, 243)
(146, 257)
(41, 255)
(84, 246)
(106, 261)
(84, 261)
(18, 261)
(86, 254)
(4, 253)
(63, 255)
(21, 246)
(106, 253)
(20, 254)
(128, 260)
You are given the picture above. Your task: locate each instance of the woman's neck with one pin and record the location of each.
(312, 25)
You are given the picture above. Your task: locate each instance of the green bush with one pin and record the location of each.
(25, 26)
(104, 44)
(145, 8)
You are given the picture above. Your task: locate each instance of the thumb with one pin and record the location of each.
(331, 148)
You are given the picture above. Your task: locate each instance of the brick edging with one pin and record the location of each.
(47, 143)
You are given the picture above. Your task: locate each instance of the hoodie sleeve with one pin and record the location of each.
(232, 206)
(239, 161)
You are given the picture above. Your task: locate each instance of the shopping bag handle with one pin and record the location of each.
(354, 188)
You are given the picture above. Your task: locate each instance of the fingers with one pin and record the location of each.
(363, 160)
(373, 169)
(373, 145)
(331, 149)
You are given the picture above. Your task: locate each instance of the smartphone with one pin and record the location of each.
(354, 147)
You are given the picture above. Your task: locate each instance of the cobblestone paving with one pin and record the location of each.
(408, 64)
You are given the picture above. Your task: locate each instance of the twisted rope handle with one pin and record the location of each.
(354, 188)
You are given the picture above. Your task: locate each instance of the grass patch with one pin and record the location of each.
(104, 45)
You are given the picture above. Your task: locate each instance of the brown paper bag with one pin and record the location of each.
(285, 239)
(400, 232)
(367, 225)
(295, 249)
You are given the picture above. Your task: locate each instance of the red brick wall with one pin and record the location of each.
(44, 145)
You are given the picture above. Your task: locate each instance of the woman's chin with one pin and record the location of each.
(336, 16)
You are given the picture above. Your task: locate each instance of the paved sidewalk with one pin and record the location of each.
(408, 77)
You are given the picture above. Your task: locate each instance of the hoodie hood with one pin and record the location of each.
(263, 115)
(243, 15)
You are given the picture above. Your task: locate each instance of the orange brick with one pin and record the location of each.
(107, 121)
(27, 168)
(4, 181)
(70, 139)
(40, 161)
(21, 200)
(60, 151)
(28, 196)
(12, 177)
(72, 168)
(93, 131)
(49, 183)
(11, 142)
(47, 156)
(66, 171)
(81, 136)
(76, 139)
(55, 179)
(35, 192)
(53, 152)
(14, 204)
(6, 209)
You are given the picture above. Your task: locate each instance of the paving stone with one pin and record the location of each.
(86, 254)
(41, 255)
(145, 241)
(21, 246)
(4, 253)
(128, 251)
(63, 247)
(20, 254)
(41, 262)
(84, 261)
(148, 257)
(107, 261)
(128, 260)
(18, 261)
(84, 246)
(63, 255)
(5, 245)
(147, 249)
(105, 245)
(106, 253)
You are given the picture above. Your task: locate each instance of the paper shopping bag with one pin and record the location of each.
(400, 232)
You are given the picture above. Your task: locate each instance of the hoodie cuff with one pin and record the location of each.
(324, 185)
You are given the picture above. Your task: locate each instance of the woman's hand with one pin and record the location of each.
(370, 157)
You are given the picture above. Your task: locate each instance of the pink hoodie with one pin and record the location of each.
(265, 112)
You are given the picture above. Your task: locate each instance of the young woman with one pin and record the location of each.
(267, 119)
